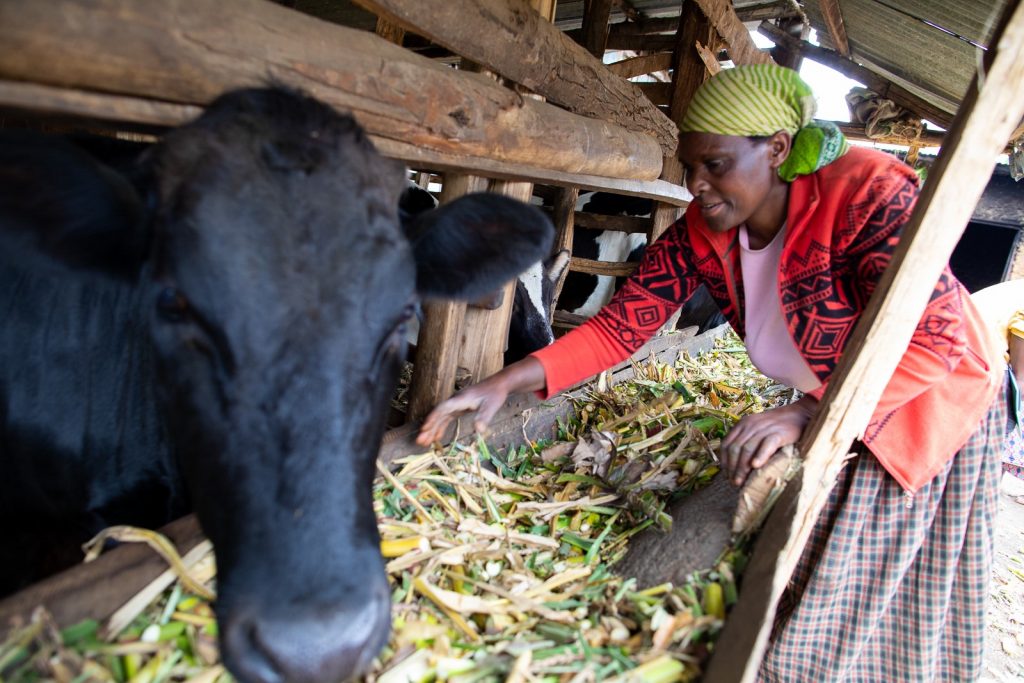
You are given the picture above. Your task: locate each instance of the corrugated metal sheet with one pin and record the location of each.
(910, 41)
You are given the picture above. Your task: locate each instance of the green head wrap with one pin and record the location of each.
(761, 100)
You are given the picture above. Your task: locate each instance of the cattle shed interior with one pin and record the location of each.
(549, 99)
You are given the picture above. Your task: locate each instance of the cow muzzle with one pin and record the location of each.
(321, 643)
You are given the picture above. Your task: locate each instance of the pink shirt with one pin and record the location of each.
(768, 341)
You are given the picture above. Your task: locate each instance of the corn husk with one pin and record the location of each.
(502, 564)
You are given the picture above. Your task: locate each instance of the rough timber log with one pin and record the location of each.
(190, 51)
(512, 39)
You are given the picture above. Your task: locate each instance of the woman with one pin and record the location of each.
(791, 230)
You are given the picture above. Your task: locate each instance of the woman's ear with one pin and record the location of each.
(779, 146)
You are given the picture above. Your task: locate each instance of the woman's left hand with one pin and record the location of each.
(755, 438)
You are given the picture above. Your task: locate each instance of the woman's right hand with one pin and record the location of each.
(483, 398)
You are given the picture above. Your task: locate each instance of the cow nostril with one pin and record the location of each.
(245, 655)
(318, 644)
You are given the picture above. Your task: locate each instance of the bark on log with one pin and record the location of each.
(190, 51)
(512, 39)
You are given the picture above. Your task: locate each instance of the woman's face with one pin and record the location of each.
(734, 179)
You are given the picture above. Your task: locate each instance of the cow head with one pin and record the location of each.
(281, 283)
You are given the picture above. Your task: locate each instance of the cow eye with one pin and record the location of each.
(172, 304)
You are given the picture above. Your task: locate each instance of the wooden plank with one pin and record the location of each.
(711, 62)
(658, 93)
(781, 53)
(854, 131)
(990, 110)
(613, 268)
(651, 43)
(190, 51)
(596, 14)
(565, 319)
(424, 158)
(642, 65)
(741, 47)
(485, 332)
(595, 221)
(506, 36)
(390, 31)
(563, 215)
(834, 23)
(872, 80)
(644, 26)
(97, 589)
(689, 72)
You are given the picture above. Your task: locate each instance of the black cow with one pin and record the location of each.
(585, 294)
(230, 345)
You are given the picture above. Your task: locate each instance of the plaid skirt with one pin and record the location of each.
(894, 588)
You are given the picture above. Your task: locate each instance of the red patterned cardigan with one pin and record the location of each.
(844, 222)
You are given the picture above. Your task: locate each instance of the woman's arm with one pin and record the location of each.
(755, 438)
(483, 398)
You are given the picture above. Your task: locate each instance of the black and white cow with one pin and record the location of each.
(584, 294)
(530, 324)
(229, 346)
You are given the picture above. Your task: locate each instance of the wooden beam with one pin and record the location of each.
(642, 65)
(990, 110)
(741, 47)
(509, 38)
(563, 215)
(390, 31)
(595, 221)
(836, 28)
(190, 51)
(869, 78)
(651, 43)
(64, 102)
(781, 53)
(709, 58)
(596, 14)
(643, 27)
(855, 131)
(689, 72)
(420, 157)
(592, 267)
(97, 589)
(658, 93)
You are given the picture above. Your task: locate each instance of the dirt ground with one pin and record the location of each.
(1004, 656)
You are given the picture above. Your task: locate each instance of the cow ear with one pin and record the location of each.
(471, 246)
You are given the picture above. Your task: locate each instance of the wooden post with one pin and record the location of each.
(596, 14)
(485, 333)
(564, 218)
(988, 114)
(782, 53)
(437, 351)
(688, 74)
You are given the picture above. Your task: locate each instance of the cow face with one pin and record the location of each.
(281, 283)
